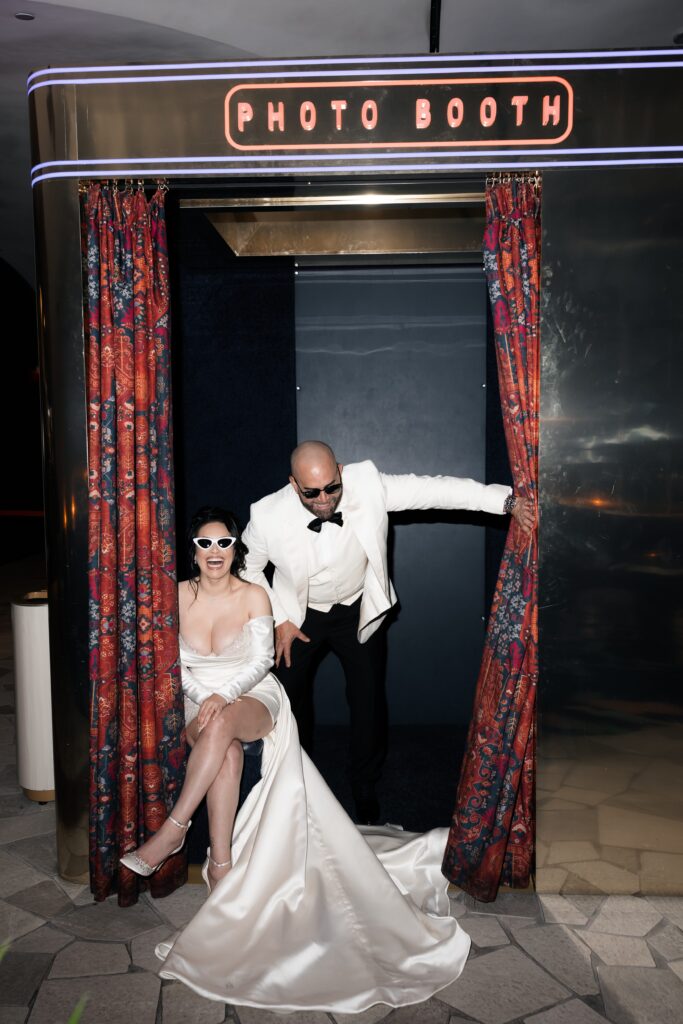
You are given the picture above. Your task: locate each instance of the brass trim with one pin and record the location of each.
(357, 199)
(31, 599)
(41, 796)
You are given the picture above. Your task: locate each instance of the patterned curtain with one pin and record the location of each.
(137, 739)
(491, 840)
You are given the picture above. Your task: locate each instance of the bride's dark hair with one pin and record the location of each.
(216, 514)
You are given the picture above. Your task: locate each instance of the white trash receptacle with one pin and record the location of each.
(30, 633)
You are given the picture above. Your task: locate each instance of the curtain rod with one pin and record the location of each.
(362, 199)
(125, 184)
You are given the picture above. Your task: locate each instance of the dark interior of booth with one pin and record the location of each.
(386, 355)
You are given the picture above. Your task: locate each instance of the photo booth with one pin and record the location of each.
(349, 303)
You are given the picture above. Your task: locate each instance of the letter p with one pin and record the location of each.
(245, 112)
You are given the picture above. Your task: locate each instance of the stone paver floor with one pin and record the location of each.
(535, 959)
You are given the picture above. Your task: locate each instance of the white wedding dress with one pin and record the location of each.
(315, 914)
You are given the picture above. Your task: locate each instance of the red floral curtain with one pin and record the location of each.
(491, 840)
(137, 740)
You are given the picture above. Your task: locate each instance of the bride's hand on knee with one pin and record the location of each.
(211, 707)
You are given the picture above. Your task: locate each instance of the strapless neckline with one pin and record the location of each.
(214, 654)
(220, 654)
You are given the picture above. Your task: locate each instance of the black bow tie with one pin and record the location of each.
(316, 524)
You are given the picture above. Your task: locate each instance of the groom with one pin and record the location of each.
(325, 534)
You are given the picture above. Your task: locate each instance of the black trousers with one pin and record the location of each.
(364, 670)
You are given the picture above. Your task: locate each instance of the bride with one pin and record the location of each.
(304, 911)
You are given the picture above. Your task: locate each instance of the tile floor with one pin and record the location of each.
(537, 959)
(613, 804)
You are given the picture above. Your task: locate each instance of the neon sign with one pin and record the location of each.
(404, 113)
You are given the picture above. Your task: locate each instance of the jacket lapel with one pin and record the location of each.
(363, 527)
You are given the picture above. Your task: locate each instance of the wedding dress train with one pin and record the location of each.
(315, 913)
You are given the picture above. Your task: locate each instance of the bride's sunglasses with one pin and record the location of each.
(205, 543)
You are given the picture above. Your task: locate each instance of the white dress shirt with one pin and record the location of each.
(336, 563)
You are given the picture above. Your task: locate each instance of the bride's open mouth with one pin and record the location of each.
(215, 563)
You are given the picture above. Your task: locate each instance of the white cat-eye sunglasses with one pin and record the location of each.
(206, 543)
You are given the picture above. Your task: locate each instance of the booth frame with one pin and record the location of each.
(611, 607)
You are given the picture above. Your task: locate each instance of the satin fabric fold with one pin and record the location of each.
(314, 914)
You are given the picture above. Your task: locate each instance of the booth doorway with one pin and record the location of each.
(385, 357)
(391, 366)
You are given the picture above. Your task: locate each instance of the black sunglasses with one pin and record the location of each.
(314, 492)
(207, 542)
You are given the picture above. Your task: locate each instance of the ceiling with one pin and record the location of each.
(75, 32)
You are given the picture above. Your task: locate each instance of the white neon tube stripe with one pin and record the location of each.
(313, 169)
(113, 161)
(334, 61)
(143, 80)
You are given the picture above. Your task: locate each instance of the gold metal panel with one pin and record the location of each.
(352, 230)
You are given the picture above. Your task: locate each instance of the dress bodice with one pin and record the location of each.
(216, 669)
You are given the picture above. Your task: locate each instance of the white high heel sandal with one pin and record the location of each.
(135, 863)
(216, 864)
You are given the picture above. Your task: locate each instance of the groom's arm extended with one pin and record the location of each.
(410, 492)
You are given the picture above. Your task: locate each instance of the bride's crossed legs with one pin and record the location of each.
(214, 770)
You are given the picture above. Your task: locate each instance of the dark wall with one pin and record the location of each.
(391, 366)
(21, 500)
(233, 372)
(497, 466)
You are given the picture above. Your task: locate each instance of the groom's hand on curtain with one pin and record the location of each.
(524, 515)
(285, 635)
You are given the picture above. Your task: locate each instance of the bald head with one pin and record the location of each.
(316, 478)
(313, 456)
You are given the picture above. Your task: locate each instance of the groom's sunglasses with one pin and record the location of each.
(314, 492)
(205, 543)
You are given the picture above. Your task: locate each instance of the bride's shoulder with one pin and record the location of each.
(258, 602)
(187, 595)
(185, 590)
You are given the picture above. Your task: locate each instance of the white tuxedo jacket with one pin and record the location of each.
(275, 534)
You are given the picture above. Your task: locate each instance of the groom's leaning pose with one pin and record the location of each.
(325, 533)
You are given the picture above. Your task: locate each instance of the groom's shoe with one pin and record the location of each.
(367, 807)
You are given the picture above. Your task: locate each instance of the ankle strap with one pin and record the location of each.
(217, 865)
(179, 823)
